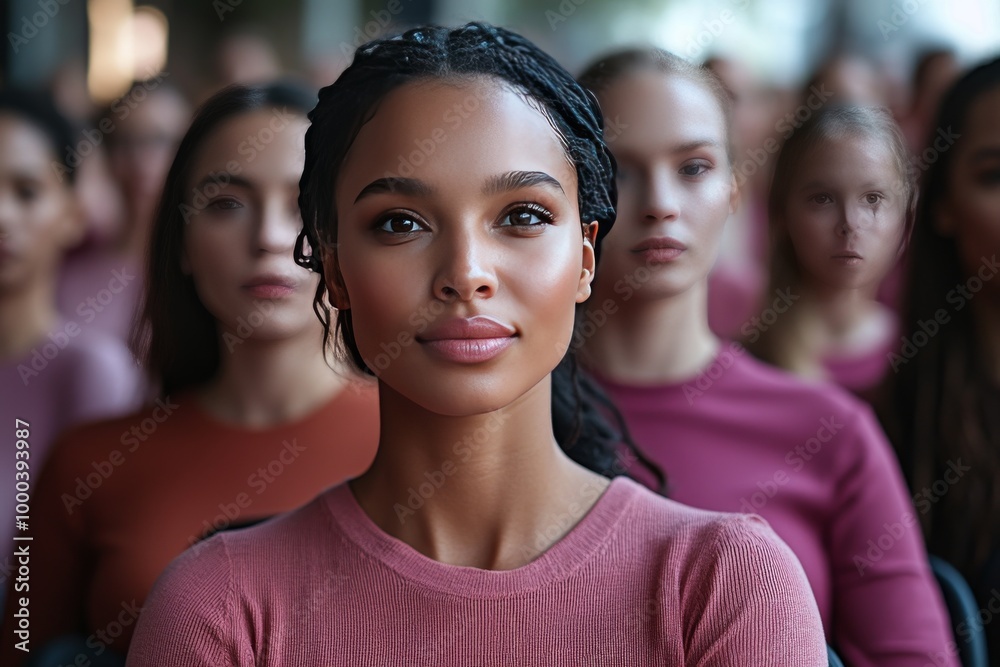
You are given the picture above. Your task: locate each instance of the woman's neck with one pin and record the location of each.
(261, 383)
(491, 490)
(664, 340)
(26, 316)
(847, 320)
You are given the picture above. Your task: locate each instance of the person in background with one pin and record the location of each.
(55, 371)
(101, 281)
(841, 211)
(935, 71)
(249, 419)
(944, 398)
(734, 434)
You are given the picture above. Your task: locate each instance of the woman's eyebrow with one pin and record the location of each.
(513, 180)
(405, 186)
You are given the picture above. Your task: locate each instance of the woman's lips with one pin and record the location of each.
(468, 340)
(269, 291)
(468, 350)
(659, 250)
(848, 258)
(270, 286)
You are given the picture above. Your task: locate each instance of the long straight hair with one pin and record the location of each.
(943, 403)
(173, 334)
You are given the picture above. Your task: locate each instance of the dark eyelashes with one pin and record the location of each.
(418, 224)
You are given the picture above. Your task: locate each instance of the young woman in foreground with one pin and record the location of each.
(455, 185)
(735, 434)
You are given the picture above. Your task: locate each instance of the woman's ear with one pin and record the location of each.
(589, 262)
(334, 279)
(734, 197)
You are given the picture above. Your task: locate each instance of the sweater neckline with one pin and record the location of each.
(558, 562)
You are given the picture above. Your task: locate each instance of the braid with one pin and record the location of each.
(472, 51)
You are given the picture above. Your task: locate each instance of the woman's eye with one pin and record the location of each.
(399, 224)
(27, 194)
(989, 177)
(821, 199)
(225, 205)
(873, 198)
(526, 217)
(694, 169)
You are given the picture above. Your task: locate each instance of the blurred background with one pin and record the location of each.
(95, 48)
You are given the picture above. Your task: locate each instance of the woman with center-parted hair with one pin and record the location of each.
(944, 400)
(522, 553)
(735, 434)
(250, 420)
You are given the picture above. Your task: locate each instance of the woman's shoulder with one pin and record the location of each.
(669, 520)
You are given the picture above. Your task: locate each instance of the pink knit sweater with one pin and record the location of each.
(640, 580)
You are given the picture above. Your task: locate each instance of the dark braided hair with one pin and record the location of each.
(475, 50)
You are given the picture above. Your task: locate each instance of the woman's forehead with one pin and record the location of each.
(466, 130)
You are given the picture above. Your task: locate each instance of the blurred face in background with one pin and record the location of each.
(148, 126)
(675, 184)
(39, 218)
(242, 224)
(970, 209)
(846, 212)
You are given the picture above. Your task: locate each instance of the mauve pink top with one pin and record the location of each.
(810, 458)
(639, 580)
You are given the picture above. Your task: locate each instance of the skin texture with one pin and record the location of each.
(675, 181)
(39, 220)
(243, 231)
(846, 197)
(411, 259)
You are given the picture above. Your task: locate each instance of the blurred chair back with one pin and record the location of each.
(964, 612)
(74, 650)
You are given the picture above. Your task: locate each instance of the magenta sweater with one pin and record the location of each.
(812, 460)
(640, 580)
